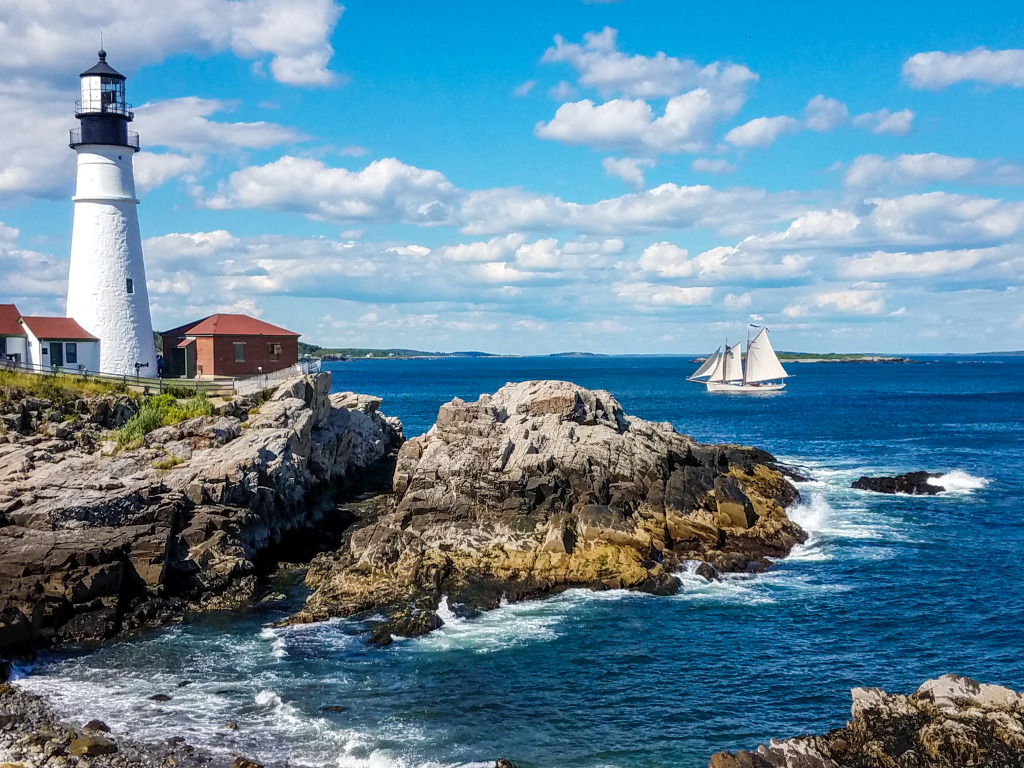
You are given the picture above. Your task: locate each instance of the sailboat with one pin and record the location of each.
(724, 370)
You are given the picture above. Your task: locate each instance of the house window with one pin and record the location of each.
(130, 285)
(239, 351)
(274, 352)
(71, 353)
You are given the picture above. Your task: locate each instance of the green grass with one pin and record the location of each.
(168, 462)
(160, 411)
(59, 389)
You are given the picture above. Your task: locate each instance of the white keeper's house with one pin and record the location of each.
(57, 343)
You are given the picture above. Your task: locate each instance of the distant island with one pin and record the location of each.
(359, 353)
(351, 353)
(837, 357)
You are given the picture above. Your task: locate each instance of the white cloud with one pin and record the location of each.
(35, 161)
(938, 69)
(739, 302)
(629, 169)
(35, 281)
(761, 131)
(182, 124)
(655, 295)
(667, 260)
(602, 66)
(883, 264)
(884, 121)
(41, 38)
(631, 124)
(869, 171)
(699, 98)
(495, 249)
(524, 88)
(562, 91)
(860, 299)
(152, 170)
(712, 165)
(385, 190)
(619, 121)
(668, 205)
(824, 114)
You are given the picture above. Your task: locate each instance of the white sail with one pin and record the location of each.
(710, 367)
(733, 368)
(762, 362)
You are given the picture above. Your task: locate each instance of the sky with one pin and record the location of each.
(642, 176)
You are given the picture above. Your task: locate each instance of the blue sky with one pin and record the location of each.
(634, 176)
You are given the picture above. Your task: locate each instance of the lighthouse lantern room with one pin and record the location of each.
(107, 292)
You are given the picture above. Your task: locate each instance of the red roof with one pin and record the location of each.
(230, 325)
(9, 325)
(63, 328)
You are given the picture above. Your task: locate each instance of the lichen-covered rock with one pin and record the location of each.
(93, 544)
(543, 486)
(947, 723)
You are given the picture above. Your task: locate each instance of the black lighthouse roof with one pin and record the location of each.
(102, 68)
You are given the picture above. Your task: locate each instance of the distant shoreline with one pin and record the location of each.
(785, 357)
(800, 357)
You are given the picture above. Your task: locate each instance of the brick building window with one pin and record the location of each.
(273, 352)
(239, 351)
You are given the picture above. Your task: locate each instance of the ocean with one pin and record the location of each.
(888, 592)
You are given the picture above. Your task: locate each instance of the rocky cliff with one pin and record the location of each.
(93, 542)
(544, 486)
(947, 723)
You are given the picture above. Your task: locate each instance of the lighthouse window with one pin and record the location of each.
(130, 285)
(71, 352)
(239, 351)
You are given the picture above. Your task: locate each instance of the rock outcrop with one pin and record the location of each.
(545, 486)
(947, 723)
(912, 483)
(31, 735)
(93, 543)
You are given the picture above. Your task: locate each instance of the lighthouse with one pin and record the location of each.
(107, 280)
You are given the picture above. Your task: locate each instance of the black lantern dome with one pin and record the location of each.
(102, 112)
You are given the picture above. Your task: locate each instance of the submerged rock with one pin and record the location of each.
(94, 544)
(544, 486)
(913, 483)
(947, 723)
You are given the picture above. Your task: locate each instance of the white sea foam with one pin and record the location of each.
(277, 644)
(959, 483)
(506, 626)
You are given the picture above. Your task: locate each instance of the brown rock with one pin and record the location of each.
(91, 746)
(94, 543)
(947, 722)
(542, 486)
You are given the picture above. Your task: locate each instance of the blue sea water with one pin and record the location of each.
(888, 591)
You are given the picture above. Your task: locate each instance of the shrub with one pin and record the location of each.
(180, 392)
(58, 389)
(160, 411)
(168, 462)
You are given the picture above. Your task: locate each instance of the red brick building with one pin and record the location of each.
(228, 345)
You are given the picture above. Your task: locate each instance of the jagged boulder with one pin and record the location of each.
(543, 486)
(947, 723)
(912, 483)
(92, 544)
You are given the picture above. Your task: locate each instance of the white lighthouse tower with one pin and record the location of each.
(107, 282)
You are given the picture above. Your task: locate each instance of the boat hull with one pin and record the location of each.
(724, 386)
